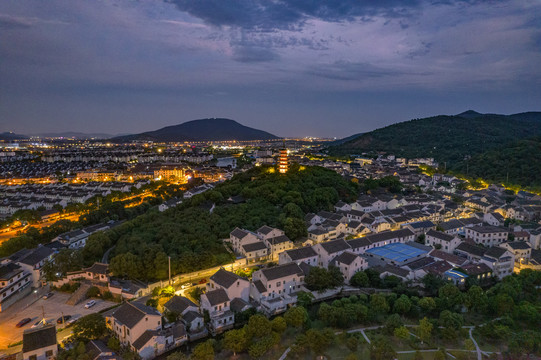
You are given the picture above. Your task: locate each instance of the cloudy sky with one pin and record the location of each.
(291, 67)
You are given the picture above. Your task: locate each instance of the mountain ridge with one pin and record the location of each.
(209, 129)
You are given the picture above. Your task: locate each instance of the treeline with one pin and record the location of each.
(192, 235)
(506, 315)
(515, 164)
(446, 138)
(95, 210)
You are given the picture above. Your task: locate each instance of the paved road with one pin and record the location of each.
(33, 306)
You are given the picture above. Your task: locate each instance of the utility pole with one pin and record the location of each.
(63, 321)
(169, 259)
(43, 315)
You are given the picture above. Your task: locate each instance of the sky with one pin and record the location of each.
(328, 68)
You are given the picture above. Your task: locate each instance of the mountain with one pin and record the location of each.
(446, 138)
(515, 163)
(214, 129)
(10, 136)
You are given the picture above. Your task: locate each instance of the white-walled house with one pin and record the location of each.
(40, 343)
(305, 254)
(130, 320)
(234, 285)
(487, 235)
(349, 264)
(328, 250)
(275, 288)
(218, 305)
(446, 242)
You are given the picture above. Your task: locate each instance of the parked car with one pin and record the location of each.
(202, 281)
(48, 295)
(38, 323)
(185, 286)
(23, 322)
(63, 319)
(89, 304)
(71, 321)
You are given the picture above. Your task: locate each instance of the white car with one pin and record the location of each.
(186, 286)
(89, 304)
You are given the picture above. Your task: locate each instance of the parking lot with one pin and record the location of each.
(53, 308)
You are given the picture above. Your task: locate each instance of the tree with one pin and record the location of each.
(278, 324)
(304, 298)
(258, 326)
(449, 296)
(113, 343)
(402, 333)
(90, 327)
(296, 316)
(235, 340)
(427, 304)
(418, 355)
(425, 329)
(392, 322)
(380, 349)
(402, 305)
(319, 340)
(177, 356)
(379, 304)
(441, 354)
(320, 279)
(93, 292)
(204, 351)
(360, 279)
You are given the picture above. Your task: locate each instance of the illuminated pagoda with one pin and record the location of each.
(282, 161)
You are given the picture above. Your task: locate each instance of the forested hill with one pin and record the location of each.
(215, 129)
(446, 138)
(516, 163)
(193, 237)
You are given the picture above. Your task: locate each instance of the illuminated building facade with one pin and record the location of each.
(283, 161)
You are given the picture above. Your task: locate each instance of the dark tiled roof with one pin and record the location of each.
(451, 225)
(265, 230)
(225, 278)
(96, 347)
(34, 339)
(388, 235)
(519, 245)
(345, 258)
(495, 252)
(131, 313)
(178, 304)
(471, 249)
(143, 339)
(393, 270)
(259, 286)
(440, 235)
(422, 224)
(335, 246)
(237, 304)
(453, 259)
(359, 242)
(36, 255)
(239, 233)
(9, 270)
(421, 263)
(281, 271)
(254, 246)
(438, 267)
(191, 316)
(179, 331)
(218, 296)
(301, 253)
(488, 229)
(98, 268)
(471, 221)
(278, 239)
(476, 269)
